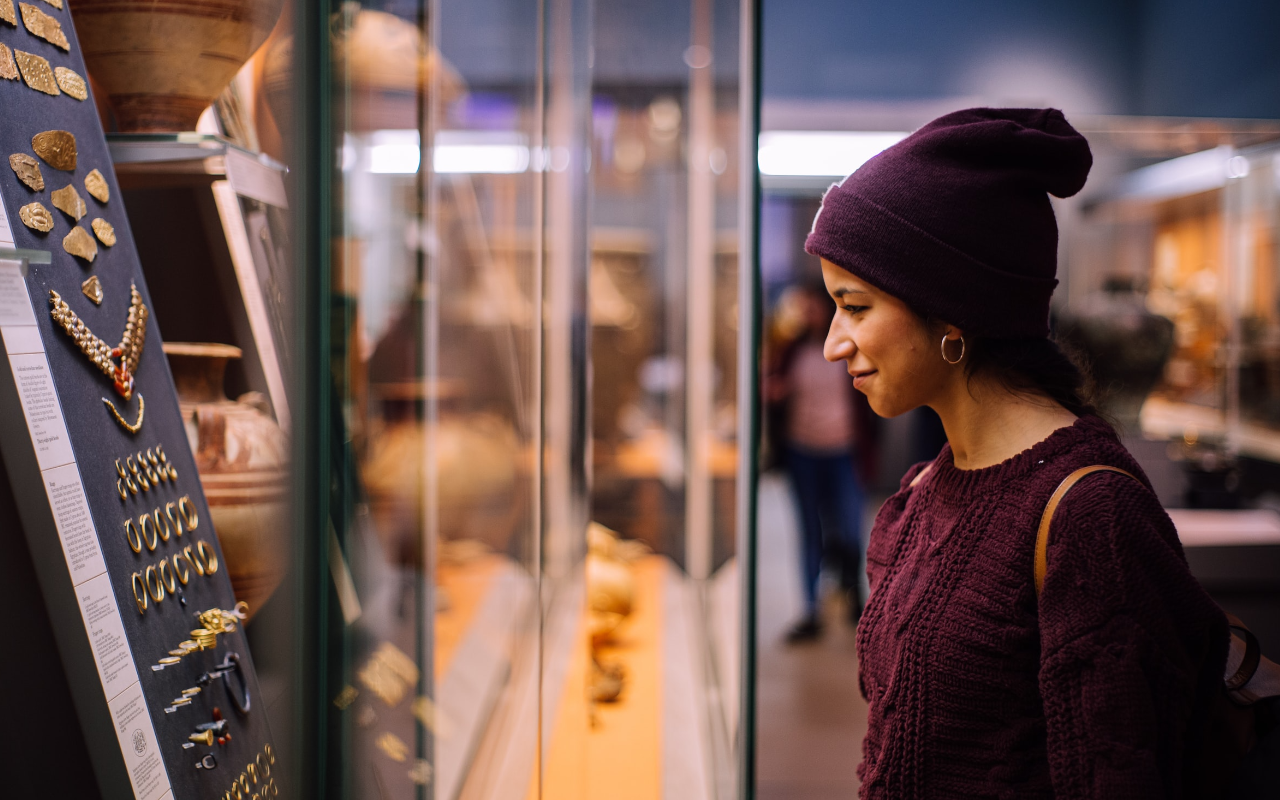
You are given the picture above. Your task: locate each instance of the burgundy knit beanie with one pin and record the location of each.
(955, 220)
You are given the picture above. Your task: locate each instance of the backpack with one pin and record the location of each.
(1240, 756)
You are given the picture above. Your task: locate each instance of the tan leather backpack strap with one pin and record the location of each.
(1042, 535)
(920, 476)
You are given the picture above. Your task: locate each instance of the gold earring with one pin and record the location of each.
(209, 557)
(141, 600)
(170, 583)
(944, 350)
(188, 510)
(154, 538)
(124, 493)
(157, 593)
(135, 541)
(120, 470)
(192, 560)
(164, 532)
(182, 576)
(174, 518)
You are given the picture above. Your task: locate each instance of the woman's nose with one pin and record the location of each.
(837, 347)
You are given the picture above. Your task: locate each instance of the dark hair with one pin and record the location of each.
(1036, 365)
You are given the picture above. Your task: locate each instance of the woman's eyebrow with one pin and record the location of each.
(842, 291)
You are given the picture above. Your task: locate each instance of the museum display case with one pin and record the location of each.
(453, 404)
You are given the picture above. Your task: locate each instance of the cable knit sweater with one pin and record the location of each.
(976, 689)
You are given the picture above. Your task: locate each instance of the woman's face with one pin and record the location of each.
(887, 349)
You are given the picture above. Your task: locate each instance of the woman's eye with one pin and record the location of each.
(854, 309)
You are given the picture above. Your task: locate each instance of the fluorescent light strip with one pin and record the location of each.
(820, 153)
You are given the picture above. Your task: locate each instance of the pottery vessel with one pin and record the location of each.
(162, 62)
(243, 459)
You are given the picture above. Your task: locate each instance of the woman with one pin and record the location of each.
(941, 254)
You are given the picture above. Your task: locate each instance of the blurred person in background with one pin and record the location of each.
(815, 419)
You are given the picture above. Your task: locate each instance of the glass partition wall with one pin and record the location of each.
(518, 428)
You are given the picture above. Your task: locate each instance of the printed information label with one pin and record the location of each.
(102, 622)
(40, 406)
(15, 305)
(138, 744)
(75, 526)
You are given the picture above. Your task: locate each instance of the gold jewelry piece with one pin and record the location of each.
(124, 493)
(129, 351)
(169, 660)
(192, 692)
(142, 410)
(174, 519)
(160, 452)
(120, 470)
(96, 185)
(70, 82)
(210, 558)
(105, 231)
(171, 583)
(271, 754)
(141, 600)
(244, 782)
(69, 202)
(92, 289)
(24, 166)
(152, 476)
(36, 217)
(80, 244)
(192, 560)
(154, 538)
(39, 76)
(157, 594)
(135, 541)
(944, 350)
(182, 576)
(204, 737)
(128, 461)
(263, 766)
(188, 510)
(44, 26)
(151, 456)
(142, 479)
(164, 532)
(56, 148)
(252, 772)
(205, 638)
(8, 68)
(173, 473)
(55, 3)
(133, 487)
(188, 646)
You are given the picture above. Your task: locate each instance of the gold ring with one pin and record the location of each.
(173, 473)
(120, 470)
(135, 541)
(244, 783)
(157, 593)
(154, 538)
(192, 560)
(263, 767)
(133, 487)
(183, 577)
(143, 482)
(124, 493)
(271, 754)
(206, 553)
(174, 519)
(171, 584)
(167, 530)
(189, 513)
(128, 462)
(140, 600)
(151, 456)
(253, 773)
(235, 791)
(152, 476)
(160, 452)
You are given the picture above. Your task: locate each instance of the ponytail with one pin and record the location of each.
(1036, 365)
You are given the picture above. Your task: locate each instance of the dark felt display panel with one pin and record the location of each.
(97, 440)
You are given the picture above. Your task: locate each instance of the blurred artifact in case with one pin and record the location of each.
(242, 456)
(162, 62)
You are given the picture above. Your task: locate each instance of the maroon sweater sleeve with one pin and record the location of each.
(1129, 640)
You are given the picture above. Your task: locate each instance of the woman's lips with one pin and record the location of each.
(860, 380)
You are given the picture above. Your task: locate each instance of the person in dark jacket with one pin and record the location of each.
(941, 256)
(816, 414)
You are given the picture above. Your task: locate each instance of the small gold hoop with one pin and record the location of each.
(120, 470)
(183, 577)
(189, 513)
(944, 351)
(133, 487)
(151, 456)
(175, 519)
(192, 560)
(244, 783)
(152, 540)
(141, 600)
(271, 754)
(235, 791)
(143, 482)
(263, 766)
(173, 473)
(135, 541)
(170, 583)
(167, 530)
(160, 453)
(157, 593)
(210, 558)
(252, 770)
(152, 476)
(124, 493)
(128, 462)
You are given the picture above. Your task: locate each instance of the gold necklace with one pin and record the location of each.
(129, 351)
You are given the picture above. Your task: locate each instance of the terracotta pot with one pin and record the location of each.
(243, 459)
(162, 62)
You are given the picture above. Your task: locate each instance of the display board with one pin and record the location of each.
(95, 448)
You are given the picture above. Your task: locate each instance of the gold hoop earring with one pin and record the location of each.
(175, 519)
(135, 541)
(166, 531)
(207, 555)
(157, 594)
(944, 351)
(154, 538)
(182, 576)
(141, 600)
(193, 561)
(169, 583)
